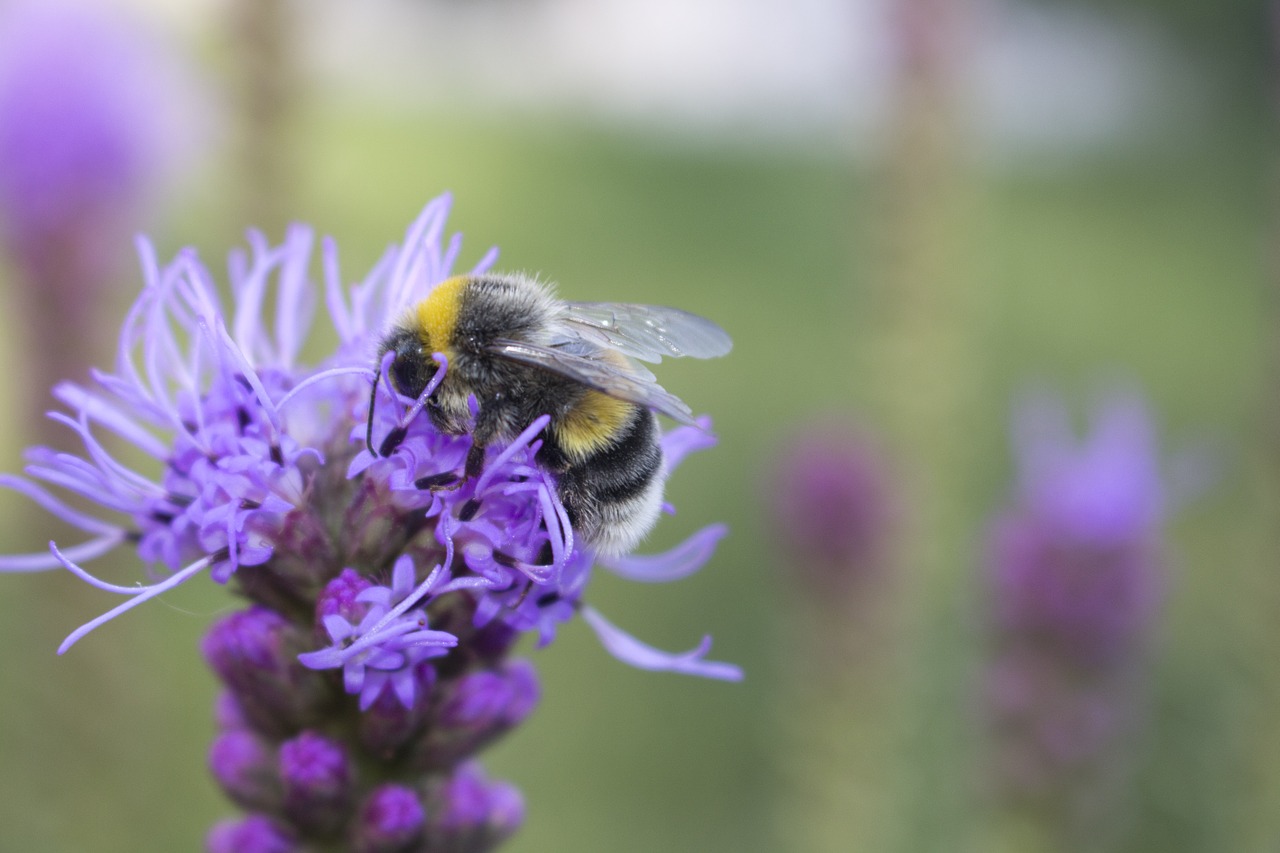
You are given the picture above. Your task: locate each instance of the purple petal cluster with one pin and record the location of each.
(374, 658)
(1076, 575)
(384, 649)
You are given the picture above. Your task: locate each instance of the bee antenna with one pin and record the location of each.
(373, 399)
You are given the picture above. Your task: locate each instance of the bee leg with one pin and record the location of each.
(445, 481)
(475, 461)
(449, 481)
(474, 466)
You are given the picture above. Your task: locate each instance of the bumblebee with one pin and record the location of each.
(522, 353)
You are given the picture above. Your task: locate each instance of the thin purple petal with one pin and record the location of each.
(680, 562)
(630, 650)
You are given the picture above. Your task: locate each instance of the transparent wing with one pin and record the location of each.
(646, 332)
(594, 368)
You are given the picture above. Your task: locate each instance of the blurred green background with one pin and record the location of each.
(1143, 256)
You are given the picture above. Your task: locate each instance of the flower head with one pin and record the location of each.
(376, 597)
(1076, 574)
(1077, 561)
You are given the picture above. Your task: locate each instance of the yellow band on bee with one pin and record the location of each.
(592, 425)
(438, 314)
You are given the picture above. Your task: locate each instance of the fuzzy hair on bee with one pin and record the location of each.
(521, 352)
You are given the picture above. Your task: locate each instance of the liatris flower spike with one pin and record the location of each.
(374, 659)
(1076, 572)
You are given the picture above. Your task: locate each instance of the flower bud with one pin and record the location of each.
(245, 766)
(339, 599)
(390, 821)
(316, 776)
(480, 707)
(227, 713)
(468, 812)
(255, 653)
(252, 834)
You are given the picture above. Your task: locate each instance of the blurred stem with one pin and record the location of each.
(265, 89)
(840, 659)
(924, 361)
(60, 297)
(1265, 822)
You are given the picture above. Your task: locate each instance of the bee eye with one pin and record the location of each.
(404, 375)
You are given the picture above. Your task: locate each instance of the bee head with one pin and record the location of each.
(412, 368)
(409, 373)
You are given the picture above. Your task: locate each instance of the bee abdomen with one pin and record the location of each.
(614, 496)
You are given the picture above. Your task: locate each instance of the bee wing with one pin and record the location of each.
(646, 332)
(592, 368)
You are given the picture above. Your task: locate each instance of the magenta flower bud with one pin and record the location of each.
(255, 653)
(391, 820)
(316, 777)
(245, 766)
(338, 598)
(251, 834)
(479, 708)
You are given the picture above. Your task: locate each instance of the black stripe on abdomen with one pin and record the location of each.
(618, 473)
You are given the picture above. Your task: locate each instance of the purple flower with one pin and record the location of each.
(477, 709)
(1076, 562)
(84, 125)
(383, 612)
(833, 506)
(386, 647)
(255, 654)
(88, 133)
(1076, 576)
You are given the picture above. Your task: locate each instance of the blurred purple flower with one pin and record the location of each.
(94, 117)
(87, 126)
(1076, 576)
(383, 612)
(833, 506)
